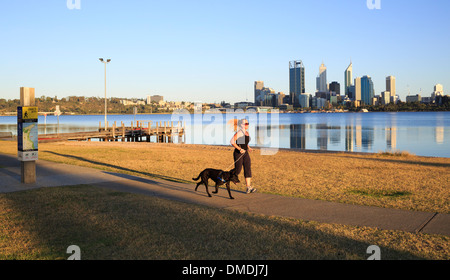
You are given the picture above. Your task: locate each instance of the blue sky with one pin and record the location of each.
(214, 50)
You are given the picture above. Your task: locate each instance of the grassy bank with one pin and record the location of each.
(42, 223)
(401, 181)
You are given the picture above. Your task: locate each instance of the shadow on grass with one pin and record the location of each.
(395, 159)
(108, 224)
(100, 164)
(130, 176)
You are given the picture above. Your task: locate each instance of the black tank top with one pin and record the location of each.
(242, 142)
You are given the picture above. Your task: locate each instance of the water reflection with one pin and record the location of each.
(425, 134)
(297, 135)
(391, 138)
(326, 137)
(439, 134)
(349, 138)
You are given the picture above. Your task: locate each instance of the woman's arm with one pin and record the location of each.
(233, 141)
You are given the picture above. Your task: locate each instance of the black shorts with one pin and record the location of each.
(242, 160)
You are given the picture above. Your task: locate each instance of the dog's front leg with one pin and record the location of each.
(229, 191)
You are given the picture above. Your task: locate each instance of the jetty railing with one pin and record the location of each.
(139, 131)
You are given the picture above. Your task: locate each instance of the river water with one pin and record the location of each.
(420, 133)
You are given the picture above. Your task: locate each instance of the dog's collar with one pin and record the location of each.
(220, 178)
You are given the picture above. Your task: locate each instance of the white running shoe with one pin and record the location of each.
(251, 190)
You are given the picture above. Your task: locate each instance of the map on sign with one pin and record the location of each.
(27, 133)
(30, 136)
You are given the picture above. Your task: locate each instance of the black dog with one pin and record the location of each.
(220, 177)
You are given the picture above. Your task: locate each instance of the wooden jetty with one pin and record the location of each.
(141, 131)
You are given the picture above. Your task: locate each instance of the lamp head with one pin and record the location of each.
(101, 59)
(108, 60)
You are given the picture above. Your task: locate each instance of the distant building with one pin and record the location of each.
(351, 92)
(318, 102)
(385, 97)
(413, 98)
(321, 94)
(333, 99)
(438, 91)
(155, 98)
(285, 107)
(335, 87)
(134, 102)
(348, 79)
(426, 100)
(346, 100)
(259, 86)
(296, 81)
(394, 99)
(321, 80)
(367, 90)
(375, 100)
(357, 90)
(242, 105)
(279, 98)
(267, 96)
(304, 100)
(390, 86)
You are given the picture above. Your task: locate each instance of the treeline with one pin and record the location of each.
(82, 105)
(94, 105)
(443, 104)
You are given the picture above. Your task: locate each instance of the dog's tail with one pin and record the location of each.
(195, 179)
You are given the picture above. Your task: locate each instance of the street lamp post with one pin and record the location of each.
(105, 62)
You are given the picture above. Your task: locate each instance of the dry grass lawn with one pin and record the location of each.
(395, 181)
(105, 224)
(42, 223)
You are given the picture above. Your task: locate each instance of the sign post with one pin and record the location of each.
(27, 135)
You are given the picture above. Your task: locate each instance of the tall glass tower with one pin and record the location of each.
(390, 85)
(367, 90)
(348, 79)
(296, 81)
(321, 80)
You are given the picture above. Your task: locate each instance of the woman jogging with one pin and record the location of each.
(241, 153)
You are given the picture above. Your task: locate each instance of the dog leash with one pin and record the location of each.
(237, 160)
(220, 174)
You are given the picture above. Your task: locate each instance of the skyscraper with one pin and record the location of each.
(357, 91)
(348, 78)
(367, 90)
(296, 81)
(335, 87)
(438, 93)
(259, 85)
(390, 86)
(321, 81)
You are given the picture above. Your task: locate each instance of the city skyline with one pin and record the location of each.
(211, 52)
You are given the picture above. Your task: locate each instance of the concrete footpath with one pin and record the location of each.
(51, 174)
